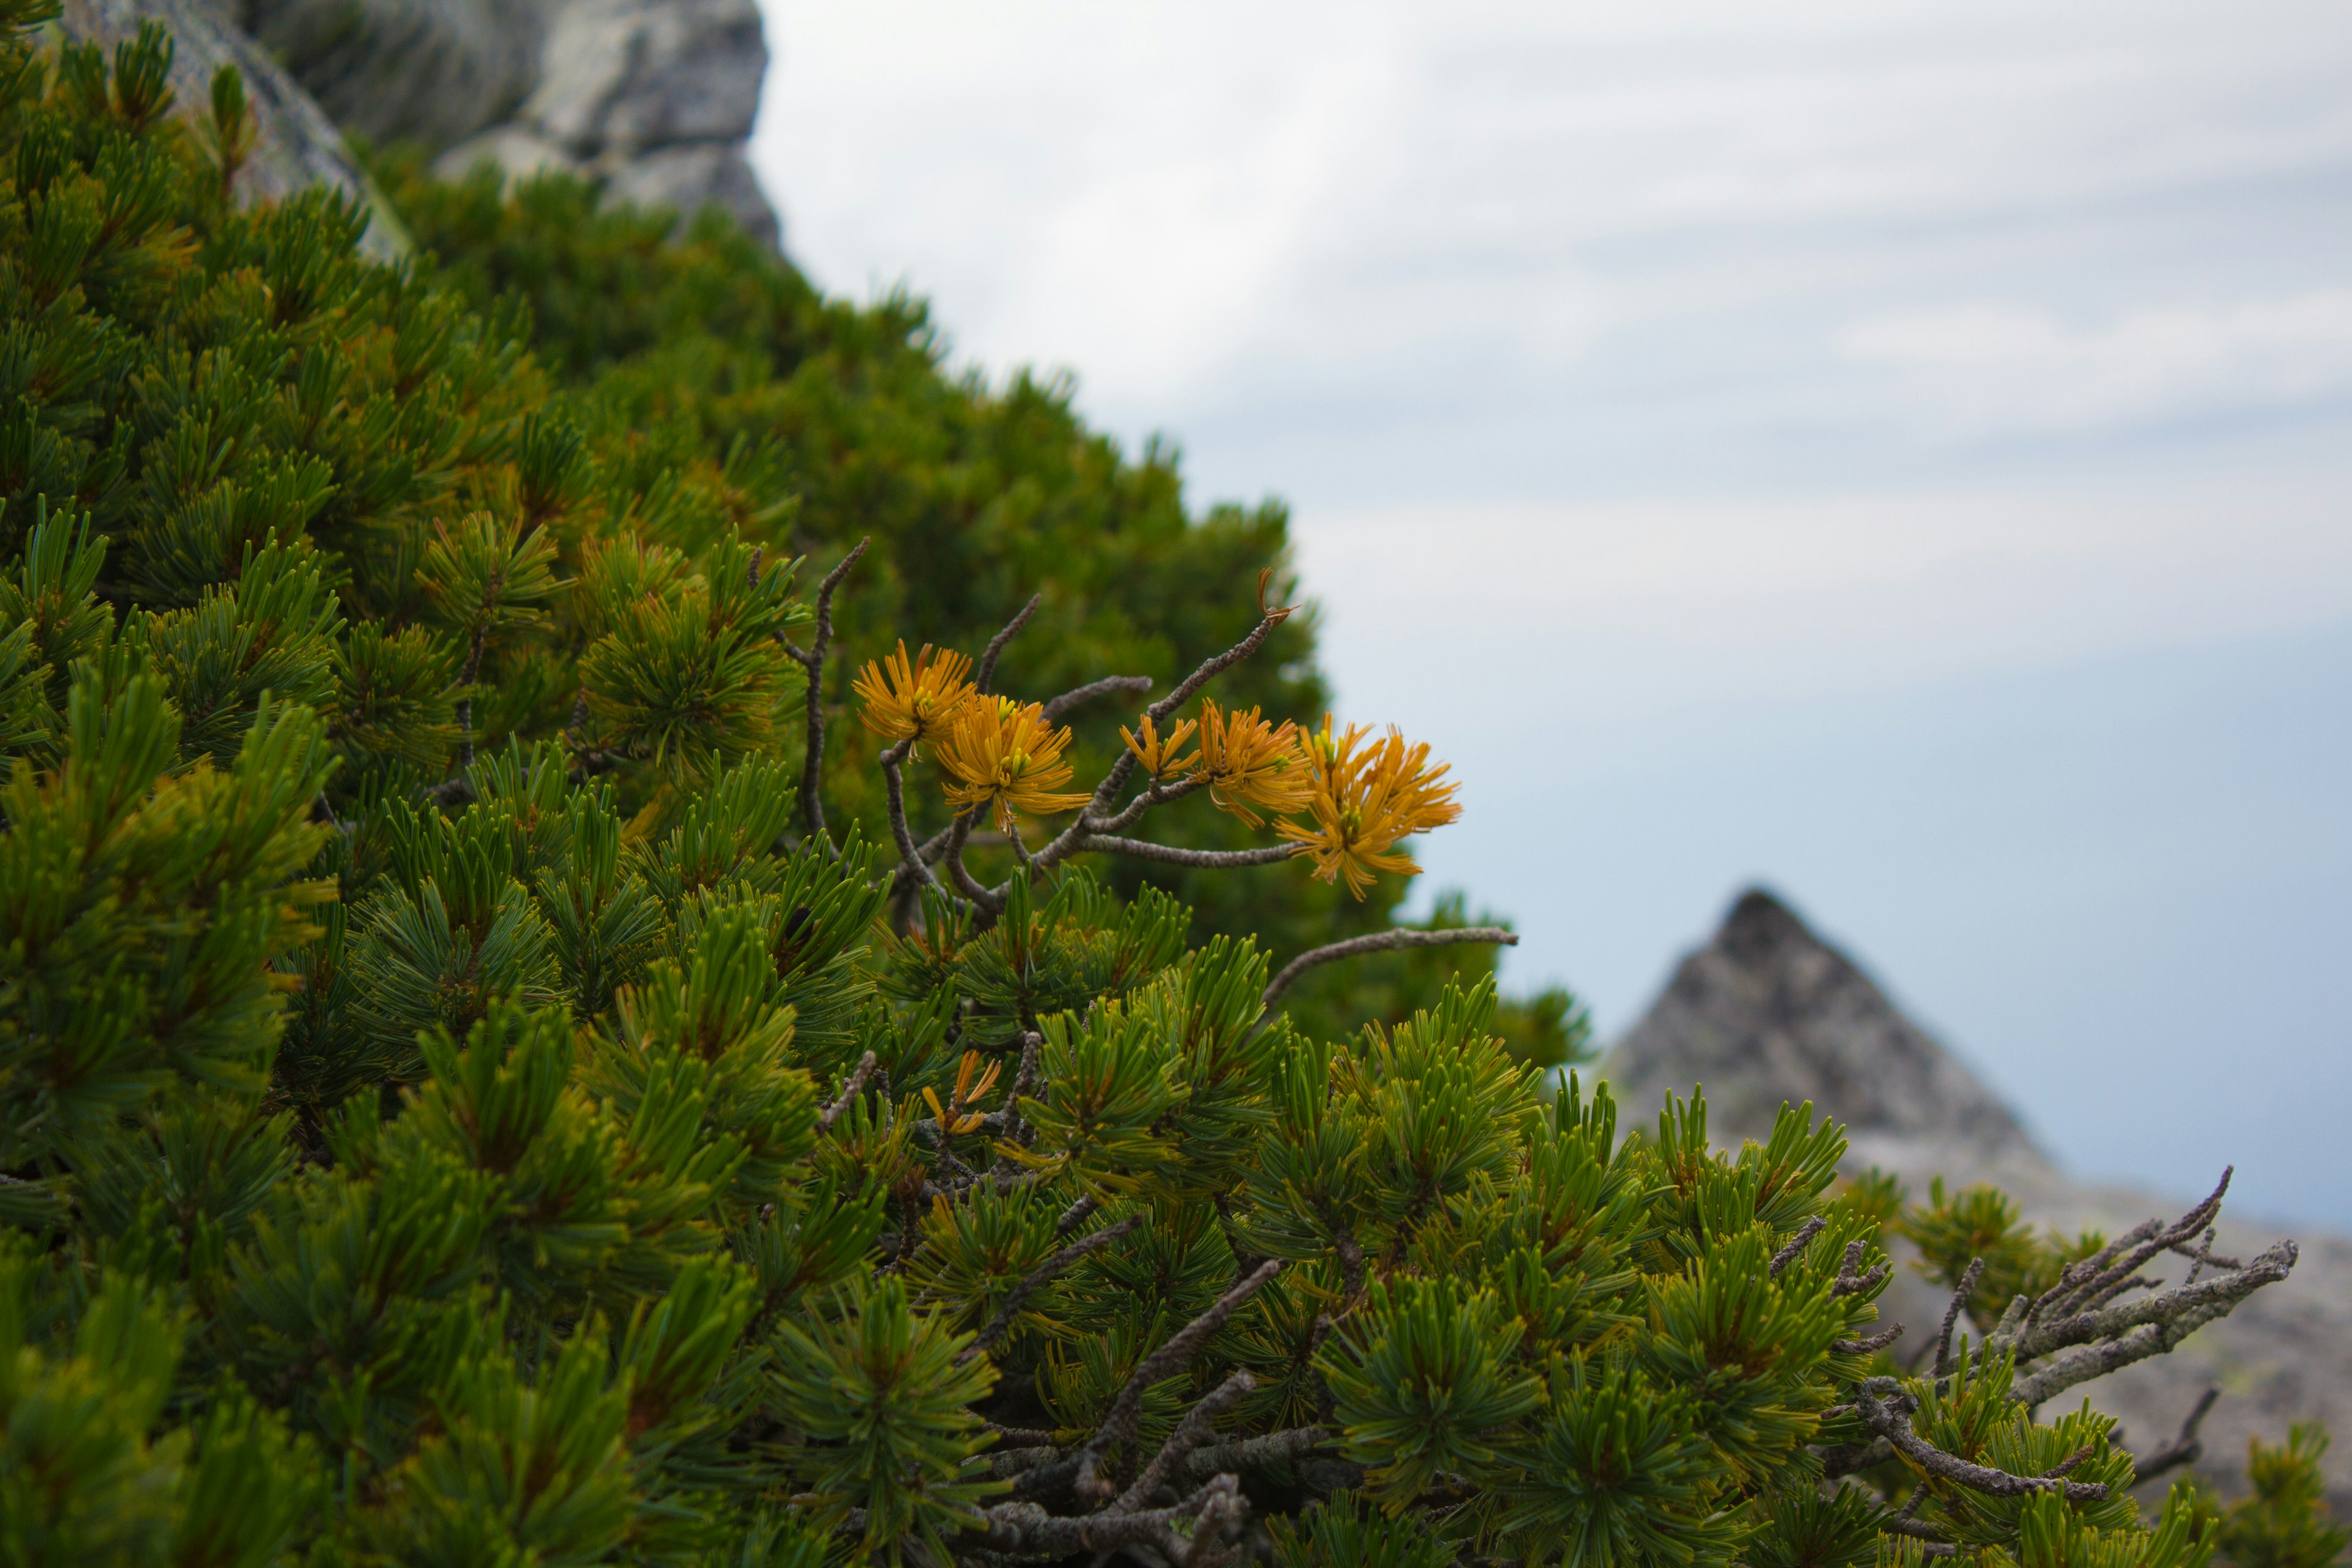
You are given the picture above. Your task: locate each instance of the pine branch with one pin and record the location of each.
(1214, 1512)
(2117, 1336)
(1123, 767)
(1106, 686)
(2186, 1448)
(1166, 1362)
(987, 670)
(820, 644)
(1884, 1408)
(2099, 1279)
(989, 903)
(1156, 795)
(851, 1087)
(1199, 1424)
(1968, 1277)
(1797, 1244)
(1035, 1280)
(1380, 941)
(1206, 860)
(1272, 1450)
(1869, 1346)
(912, 867)
(1850, 1282)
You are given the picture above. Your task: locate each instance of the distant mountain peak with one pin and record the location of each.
(1766, 1011)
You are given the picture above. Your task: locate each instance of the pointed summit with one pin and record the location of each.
(1768, 1011)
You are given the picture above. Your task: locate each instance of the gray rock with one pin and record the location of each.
(435, 71)
(694, 175)
(654, 97)
(296, 147)
(1768, 1013)
(638, 75)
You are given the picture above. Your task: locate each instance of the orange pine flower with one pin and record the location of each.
(913, 701)
(998, 753)
(1363, 801)
(1160, 755)
(1250, 762)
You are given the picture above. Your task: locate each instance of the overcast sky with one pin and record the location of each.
(1895, 452)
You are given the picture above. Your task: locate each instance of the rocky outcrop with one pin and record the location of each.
(1768, 1013)
(296, 146)
(435, 71)
(654, 98)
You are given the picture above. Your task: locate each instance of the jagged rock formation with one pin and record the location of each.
(656, 97)
(297, 145)
(435, 71)
(1767, 1013)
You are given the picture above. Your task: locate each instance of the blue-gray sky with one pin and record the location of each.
(1895, 452)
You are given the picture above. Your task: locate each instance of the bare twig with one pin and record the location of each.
(1180, 1348)
(1076, 1215)
(1207, 860)
(1846, 1458)
(820, 643)
(2185, 1449)
(851, 1087)
(1380, 941)
(987, 670)
(1797, 1244)
(1012, 1437)
(912, 868)
(2117, 1336)
(1024, 1083)
(1850, 1282)
(1123, 767)
(958, 872)
(1968, 1284)
(1869, 1346)
(1159, 793)
(1216, 1512)
(1884, 1408)
(1106, 687)
(1034, 1281)
(2099, 1279)
(1351, 1267)
(1199, 1424)
(2202, 1257)
(2067, 1465)
(1272, 1450)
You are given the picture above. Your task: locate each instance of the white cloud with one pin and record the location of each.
(1641, 607)
(1183, 201)
(1996, 367)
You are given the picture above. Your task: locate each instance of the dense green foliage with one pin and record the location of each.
(2282, 1522)
(697, 352)
(574, 1160)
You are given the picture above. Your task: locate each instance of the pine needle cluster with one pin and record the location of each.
(460, 1102)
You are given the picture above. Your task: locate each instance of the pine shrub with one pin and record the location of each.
(462, 1101)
